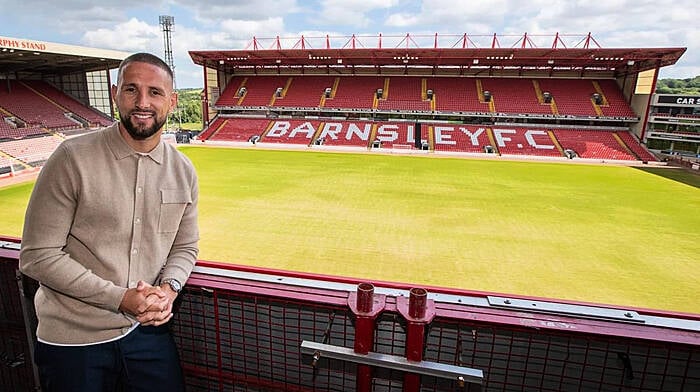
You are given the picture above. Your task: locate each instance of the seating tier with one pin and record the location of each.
(305, 92)
(404, 93)
(32, 108)
(515, 96)
(456, 95)
(524, 141)
(441, 137)
(593, 144)
(572, 97)
(355, 92)
(32, 151)
(71, 104)
(239, 129)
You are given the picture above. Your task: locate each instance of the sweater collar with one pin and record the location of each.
(121, 149)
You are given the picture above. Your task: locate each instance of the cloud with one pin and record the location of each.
(353, 13)
(131, 36)
(68, 17)
(135, 35)
(129, 25)
(218, 10)
(458, 16)
(245, 29)
(402, 20)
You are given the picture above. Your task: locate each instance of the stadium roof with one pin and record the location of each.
(523, 55)
(18, 55)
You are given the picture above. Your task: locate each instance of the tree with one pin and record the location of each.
(679, 86)
(189, 107)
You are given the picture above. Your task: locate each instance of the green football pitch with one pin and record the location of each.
(604, 234)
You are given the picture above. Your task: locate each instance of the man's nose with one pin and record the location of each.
(142, 100)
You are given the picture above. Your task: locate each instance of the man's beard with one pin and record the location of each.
(143, 132)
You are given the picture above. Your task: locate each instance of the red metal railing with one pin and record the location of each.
(244, 328)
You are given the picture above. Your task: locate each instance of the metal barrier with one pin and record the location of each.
(248, 329)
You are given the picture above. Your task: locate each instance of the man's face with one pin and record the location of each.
(144, 97)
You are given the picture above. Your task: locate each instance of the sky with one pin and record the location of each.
(133, 26)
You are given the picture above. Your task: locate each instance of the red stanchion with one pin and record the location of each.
(418, 312)
(366, 306)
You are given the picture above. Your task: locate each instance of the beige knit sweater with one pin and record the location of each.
(102, 217)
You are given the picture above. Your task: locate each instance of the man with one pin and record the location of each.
(111, 235)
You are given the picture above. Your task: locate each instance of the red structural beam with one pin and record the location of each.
(527, 50)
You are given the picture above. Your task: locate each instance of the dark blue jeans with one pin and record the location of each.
(144, 360)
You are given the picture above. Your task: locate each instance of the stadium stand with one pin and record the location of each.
(31, 151)
(8, 131)
(405, 94)
(396, 135)
(6, 163)
(5, 127)
(230, 97)
(673, 129)
(398, 96)
(525, 141)
(524, 88)
(214, 126)
(515, 96)
(238, 129)
(292, 131)
(600, 144)
(571, 96)
(355, 92)
(615, 104)
(305, 92)
(456, 95)
(636, 147)
(321, 132)
(594, 144)
(260, 90)
(32, 108)
(460, 138)
(92, 117)
(345, 133)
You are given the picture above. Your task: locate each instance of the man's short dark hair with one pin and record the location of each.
(145, 58)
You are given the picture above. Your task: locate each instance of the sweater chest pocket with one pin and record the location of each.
(172, 206)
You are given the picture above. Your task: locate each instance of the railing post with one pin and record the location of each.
(418, 311)
(366, 306)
